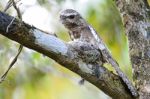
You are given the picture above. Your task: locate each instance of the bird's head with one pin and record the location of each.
(72, 19)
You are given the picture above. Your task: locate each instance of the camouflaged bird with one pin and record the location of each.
(81, 31)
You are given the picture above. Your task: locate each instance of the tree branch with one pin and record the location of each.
(63, 53)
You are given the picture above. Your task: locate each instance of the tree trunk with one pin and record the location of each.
(136, 19)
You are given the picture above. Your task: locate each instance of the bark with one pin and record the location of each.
(136, 16)
(63, 53)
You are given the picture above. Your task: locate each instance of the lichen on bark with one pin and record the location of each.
(136, 15)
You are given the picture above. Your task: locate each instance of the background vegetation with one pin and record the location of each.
(35, 76)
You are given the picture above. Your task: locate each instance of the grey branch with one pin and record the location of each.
(64, 54)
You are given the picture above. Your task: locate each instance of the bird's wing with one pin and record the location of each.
(108, 57)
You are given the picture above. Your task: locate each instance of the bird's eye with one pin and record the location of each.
(71, 17)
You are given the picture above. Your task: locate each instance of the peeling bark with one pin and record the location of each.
(63, 53)
(136, 16)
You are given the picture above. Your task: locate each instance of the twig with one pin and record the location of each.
(9, 4)
(17, 10)
(10, 24)
(11, 64)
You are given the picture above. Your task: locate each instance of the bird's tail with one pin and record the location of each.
(120, 73)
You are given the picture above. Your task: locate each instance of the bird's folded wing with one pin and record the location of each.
(108, 57)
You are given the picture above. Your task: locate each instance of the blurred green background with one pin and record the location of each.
(35, 76)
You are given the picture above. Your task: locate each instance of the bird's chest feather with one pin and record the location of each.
(76, 34)
(83, 35)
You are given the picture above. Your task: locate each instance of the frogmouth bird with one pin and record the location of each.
(89, 42)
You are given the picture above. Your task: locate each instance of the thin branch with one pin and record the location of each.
(9, 25)
(11, 64)
(12, 2)
(9, 4)
(17, 10)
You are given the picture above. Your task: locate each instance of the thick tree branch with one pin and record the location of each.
(63, 53)
(136, 16)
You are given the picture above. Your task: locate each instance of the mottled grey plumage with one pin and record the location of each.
(80, 31)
